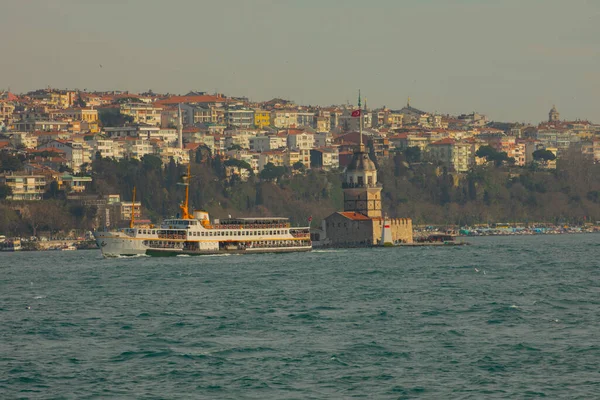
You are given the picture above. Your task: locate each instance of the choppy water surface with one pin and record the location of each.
(505, 317)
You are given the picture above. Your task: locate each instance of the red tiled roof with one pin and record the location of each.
(354, 216)
(444, 141)
(48, 149)
(191, 146)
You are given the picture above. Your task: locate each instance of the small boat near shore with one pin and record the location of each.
(10, 244)
(440, 239)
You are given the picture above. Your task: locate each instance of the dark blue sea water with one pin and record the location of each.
(508, 317)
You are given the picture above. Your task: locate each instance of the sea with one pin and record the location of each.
(505, 317)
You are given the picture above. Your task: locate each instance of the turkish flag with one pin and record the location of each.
(356, 113)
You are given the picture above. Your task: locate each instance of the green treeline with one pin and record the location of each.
(273, 193)
(424, 192)
(493, 193)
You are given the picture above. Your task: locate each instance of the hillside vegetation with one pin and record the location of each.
(424, 192)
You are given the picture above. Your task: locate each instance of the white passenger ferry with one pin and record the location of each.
(195, 234)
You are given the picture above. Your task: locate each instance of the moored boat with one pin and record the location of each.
(10, 245)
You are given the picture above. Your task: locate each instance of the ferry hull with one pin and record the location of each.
(114, 244)
(174, 253)
(118, 244)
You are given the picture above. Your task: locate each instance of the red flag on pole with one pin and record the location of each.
(356, 113)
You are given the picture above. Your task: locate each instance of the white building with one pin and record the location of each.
(300, 141)
(133, 131)
(267, 143)
(142, 113)
(76, 153)
(23, 139)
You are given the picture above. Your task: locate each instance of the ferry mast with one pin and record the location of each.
(185, 205)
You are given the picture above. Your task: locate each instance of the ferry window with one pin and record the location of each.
(140, 231)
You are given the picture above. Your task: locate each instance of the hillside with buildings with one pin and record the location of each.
(80, 154)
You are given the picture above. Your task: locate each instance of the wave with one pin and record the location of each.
(132, 256)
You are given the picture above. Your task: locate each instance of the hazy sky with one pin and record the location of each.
(509, 59)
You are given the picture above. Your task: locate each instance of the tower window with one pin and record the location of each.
(361, 180)
(370, 180)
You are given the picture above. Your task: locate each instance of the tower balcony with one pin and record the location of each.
(354, 185)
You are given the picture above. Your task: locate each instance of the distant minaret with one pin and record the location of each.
(180, 130)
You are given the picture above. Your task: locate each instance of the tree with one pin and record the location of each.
(492, 155)
(412, 154)
(543, 155)
(9, 162)
(234, 147)
(485, 152)
(298, 166)
(151, 162)
(271, 172)
(79, 102)
(5, 191)
(53, 192)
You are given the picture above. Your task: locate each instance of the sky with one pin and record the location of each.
(509, 59)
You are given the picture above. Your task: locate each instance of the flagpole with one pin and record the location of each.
(360, 124)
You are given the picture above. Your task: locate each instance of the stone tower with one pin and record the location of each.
(554, 115)
(362, 192)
